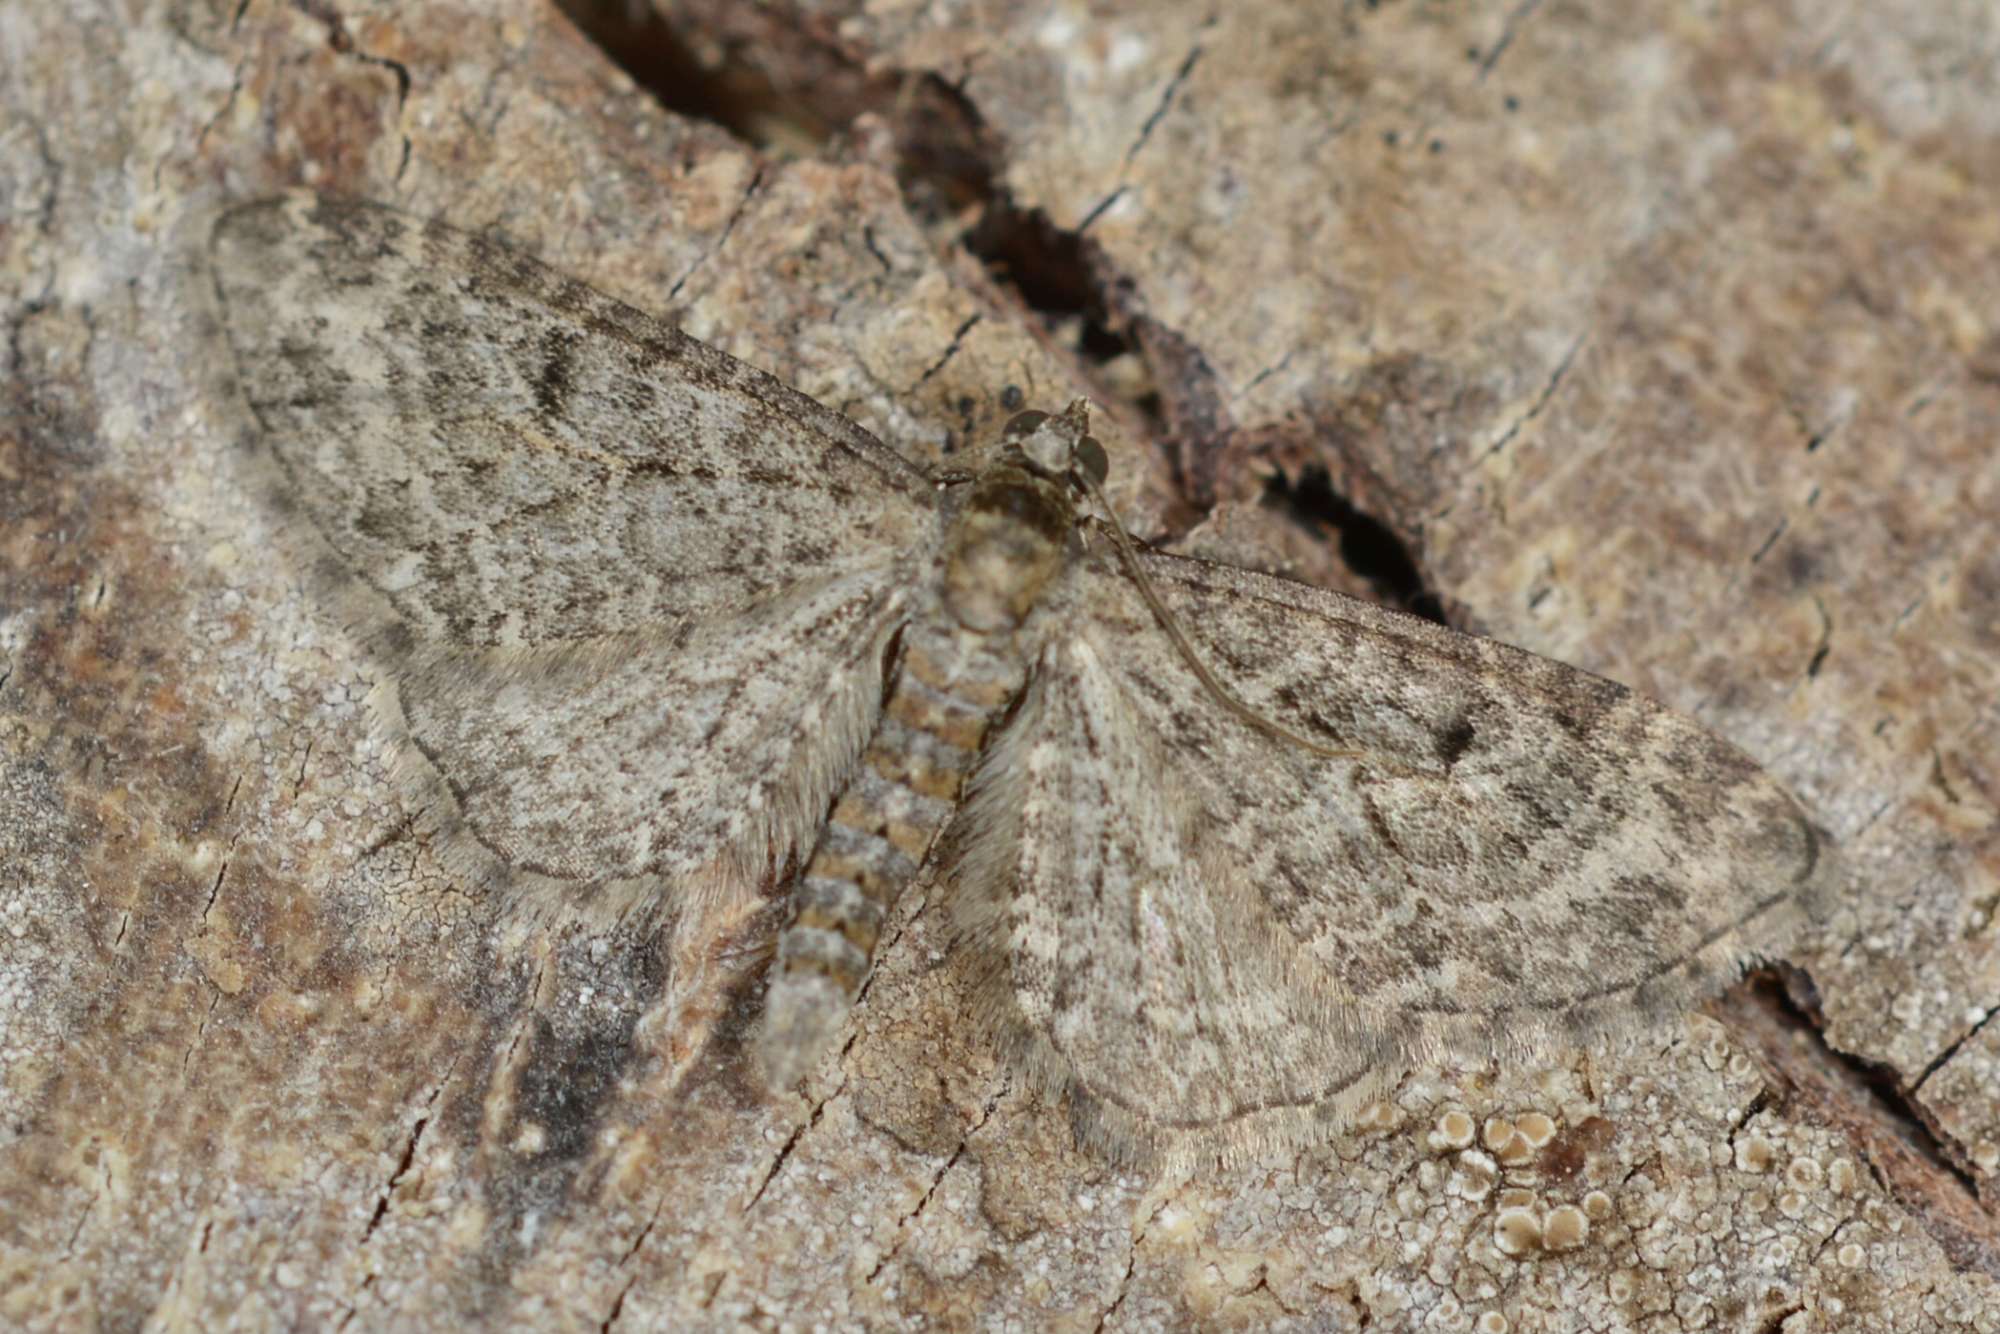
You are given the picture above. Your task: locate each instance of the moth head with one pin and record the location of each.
(1058, 446)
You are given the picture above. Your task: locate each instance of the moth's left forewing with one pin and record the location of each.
(629, 602)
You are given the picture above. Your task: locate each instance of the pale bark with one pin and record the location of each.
(1666, 345)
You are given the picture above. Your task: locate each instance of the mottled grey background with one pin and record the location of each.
(1662, 344)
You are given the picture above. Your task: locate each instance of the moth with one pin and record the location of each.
(1227, 850)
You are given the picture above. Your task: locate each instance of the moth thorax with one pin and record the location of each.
(1006, 545)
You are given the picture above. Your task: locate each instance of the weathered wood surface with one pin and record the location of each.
(1667, 345)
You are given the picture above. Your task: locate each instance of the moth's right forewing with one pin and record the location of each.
(631, 597)
(1522, 853)
(1215, 936)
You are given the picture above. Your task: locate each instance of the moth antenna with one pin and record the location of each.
(1223, 695)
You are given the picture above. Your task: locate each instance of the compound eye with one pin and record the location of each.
(1090, 458)
(1023, 424)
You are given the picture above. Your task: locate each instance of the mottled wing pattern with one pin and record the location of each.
(1202, 927)
(632, 596)
(1121, 951)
